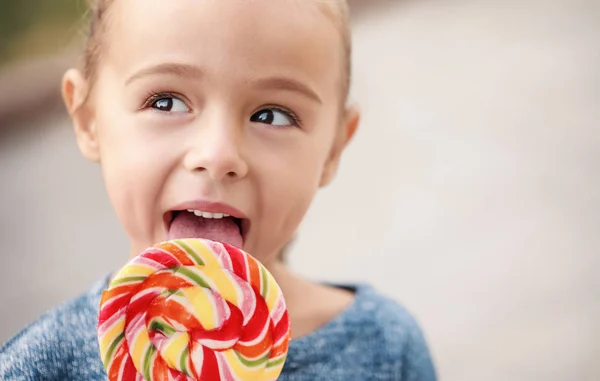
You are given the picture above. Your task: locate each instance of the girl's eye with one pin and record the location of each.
(169, 104)
(274, 117)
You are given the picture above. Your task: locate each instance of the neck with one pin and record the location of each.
(325, 302)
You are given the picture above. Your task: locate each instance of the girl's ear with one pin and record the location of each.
(75, 92)
(344, 135)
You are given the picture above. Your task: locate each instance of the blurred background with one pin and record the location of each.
(470, 195)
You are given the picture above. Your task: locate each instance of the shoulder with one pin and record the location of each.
(385, 317)
(60, 345)
(382, 320)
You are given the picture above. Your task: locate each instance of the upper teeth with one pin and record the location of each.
(202, 214)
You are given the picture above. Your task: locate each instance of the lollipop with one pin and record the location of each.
(193, 310)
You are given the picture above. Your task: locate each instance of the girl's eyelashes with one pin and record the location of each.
(271, 115)
(276, 116)
(166, 102)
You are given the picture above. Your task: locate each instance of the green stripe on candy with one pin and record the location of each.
(276, 362)
(161, 327)
(190, 252)
(183, 362)
(252, 363)
(169, 293)
(265, 282)
(193, 276)
(148, 361)
(111, 349)
(128, 279)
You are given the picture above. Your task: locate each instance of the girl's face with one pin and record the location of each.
(224, 107)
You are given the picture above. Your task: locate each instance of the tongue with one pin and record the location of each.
(188, 225)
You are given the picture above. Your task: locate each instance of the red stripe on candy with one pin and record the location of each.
(238, 261)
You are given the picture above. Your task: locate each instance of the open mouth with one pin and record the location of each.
(220, 227)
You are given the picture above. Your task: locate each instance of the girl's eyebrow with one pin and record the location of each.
(287, 84)
(178, 69)
(187, 70)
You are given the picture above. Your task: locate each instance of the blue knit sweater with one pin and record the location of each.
(373, 339)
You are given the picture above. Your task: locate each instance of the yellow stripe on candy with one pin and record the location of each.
(178, 343)
(139, 347)
(270, 374)
(208, 257)
(136, 270)
(241, 371)
(111, 335)
(224, 285)
(272, 293)
(203, 306)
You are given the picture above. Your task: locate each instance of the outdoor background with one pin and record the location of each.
(471, 193)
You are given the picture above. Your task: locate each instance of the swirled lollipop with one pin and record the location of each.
(193, 310)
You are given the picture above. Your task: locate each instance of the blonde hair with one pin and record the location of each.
(99, 11)
(339, 12)
(98, 24)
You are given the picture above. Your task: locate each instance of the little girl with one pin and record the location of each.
(221, 120)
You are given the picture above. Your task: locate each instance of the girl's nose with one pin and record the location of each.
(217, 151)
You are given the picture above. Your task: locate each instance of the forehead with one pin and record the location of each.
(228, 38)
